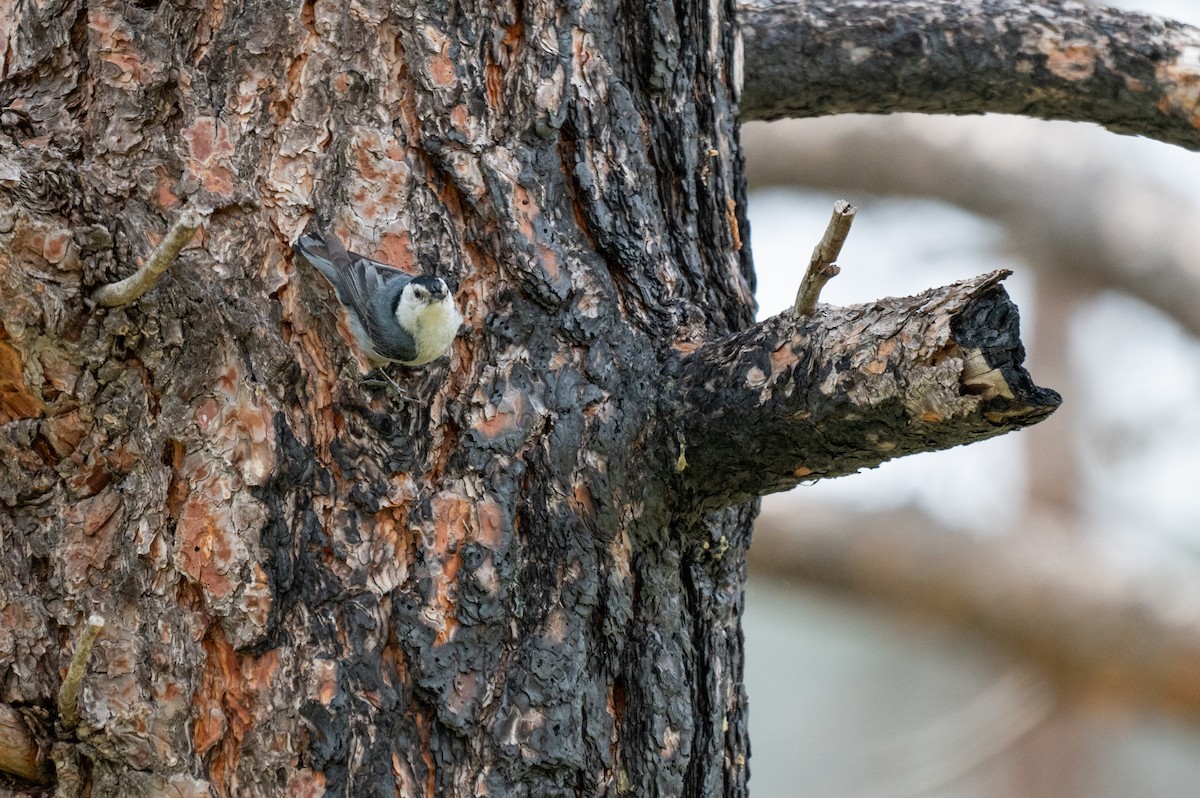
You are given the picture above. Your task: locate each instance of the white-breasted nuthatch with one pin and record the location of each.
(393, 315)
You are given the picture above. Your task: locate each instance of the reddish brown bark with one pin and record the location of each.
(494, 584)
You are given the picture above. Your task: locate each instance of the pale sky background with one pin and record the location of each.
(835, 686)
(1136, 373)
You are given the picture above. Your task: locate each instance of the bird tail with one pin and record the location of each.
(326, 255)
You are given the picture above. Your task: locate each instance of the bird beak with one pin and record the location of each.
(440, 291)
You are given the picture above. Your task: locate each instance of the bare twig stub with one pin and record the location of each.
(821, 267)
(68, 694)
(141, 281)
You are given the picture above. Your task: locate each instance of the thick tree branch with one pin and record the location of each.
(1054, 598)
(790, 400)
(1132, 73)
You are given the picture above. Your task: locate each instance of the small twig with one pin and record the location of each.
(141, 281)
(821, 268)
(68, 694)
(399, 391)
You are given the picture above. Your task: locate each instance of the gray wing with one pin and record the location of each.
(370, 290)
(392, 342)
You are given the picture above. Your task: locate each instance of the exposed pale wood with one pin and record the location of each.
(790, 400)
(19, 755)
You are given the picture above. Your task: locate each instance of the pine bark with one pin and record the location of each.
(495, 584)
(1132, 73)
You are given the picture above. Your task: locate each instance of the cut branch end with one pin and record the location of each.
(145, 278)
(68, 694)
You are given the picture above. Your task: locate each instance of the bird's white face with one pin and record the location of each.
(418, 297)
(419, 294)
(430, 316)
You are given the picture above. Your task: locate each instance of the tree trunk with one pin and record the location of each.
(503, 581)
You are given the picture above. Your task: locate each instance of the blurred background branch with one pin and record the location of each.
(1053, 596)
(1039, 599)
(1067, 208)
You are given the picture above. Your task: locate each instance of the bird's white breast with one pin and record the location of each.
(432, 327)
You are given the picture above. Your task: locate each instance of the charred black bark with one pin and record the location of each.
(1132, 73)
(791, 400)
(493, 585)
